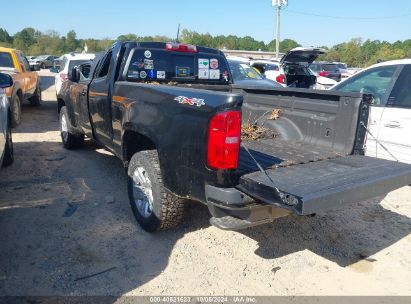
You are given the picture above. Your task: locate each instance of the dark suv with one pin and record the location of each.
(326, 69)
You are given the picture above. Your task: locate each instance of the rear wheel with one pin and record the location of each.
(153, 206)
(15, 107)
(70, 138)
(8, 151)
(35, 100)
(43, 66)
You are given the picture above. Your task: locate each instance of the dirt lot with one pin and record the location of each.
(64, 215)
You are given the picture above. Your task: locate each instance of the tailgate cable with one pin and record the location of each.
(262, 170)
(377, 141)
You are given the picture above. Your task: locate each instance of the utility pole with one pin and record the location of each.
(279, 4)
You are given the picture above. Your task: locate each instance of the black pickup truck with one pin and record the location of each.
(170, 112)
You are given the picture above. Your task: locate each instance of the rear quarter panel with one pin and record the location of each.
(179, 130)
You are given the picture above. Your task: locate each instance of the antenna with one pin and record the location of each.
(178, 32)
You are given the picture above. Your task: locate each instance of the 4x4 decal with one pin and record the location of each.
(190, 101)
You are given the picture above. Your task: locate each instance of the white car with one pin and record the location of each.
(6, 143)
(390, 120)
(69, 61)
(293, 69)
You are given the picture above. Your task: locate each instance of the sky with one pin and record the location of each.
(310, 23)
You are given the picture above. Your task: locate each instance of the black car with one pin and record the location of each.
(326, 69)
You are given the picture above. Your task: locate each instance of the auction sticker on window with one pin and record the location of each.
(203, 63)
(148, 64)
(203, 74)
(215, 74)
(182, 71)
(147, 54)
(161, 74)
(214, 63)
(143, 74)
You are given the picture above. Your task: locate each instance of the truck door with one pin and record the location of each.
(395, 124)
(100, 101)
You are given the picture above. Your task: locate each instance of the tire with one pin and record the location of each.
(8, 151)
(35, 100)
(42, 66)
(71, 139)
(165, 210)
(15, 107)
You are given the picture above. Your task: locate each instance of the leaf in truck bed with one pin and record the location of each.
(275, 114)
(255, 132)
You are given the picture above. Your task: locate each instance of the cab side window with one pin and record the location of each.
(26, 64)
(401, 93)
(105, 66)
(21, 61)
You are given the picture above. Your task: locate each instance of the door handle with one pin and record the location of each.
(393, 124)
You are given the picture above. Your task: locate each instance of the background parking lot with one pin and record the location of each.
(67, 229)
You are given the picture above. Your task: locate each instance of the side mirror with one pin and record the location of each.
(73, 75)
(5, 81)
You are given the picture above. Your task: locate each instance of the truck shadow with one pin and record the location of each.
(67, 231)
(344, 236)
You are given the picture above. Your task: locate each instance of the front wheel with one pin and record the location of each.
(15, 107)
(153, 206)
(71, 139)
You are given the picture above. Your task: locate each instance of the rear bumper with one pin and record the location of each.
(231, 209)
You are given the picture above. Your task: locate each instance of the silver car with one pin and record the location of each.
(6, 143)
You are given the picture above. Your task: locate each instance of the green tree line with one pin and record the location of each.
(356, 53)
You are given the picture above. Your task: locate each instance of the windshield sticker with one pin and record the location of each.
(203, 63)
(214, 63)
(203, 74)
(148, 64)
(190, 101)
(215, 74)
(147, 54)
(151, 74)
(143, 74)
(161, 74)
(182, 71)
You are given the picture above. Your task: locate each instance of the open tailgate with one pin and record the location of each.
(327, 184)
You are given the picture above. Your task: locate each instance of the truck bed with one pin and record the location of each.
(315, 163)
(276, 153)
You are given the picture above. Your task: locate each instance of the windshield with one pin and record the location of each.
(342, 66)
(41, 57)
(242, 71)
(5, 60)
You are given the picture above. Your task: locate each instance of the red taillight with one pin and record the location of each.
(180, 47)
(280, 79)
(63, 77)
(224, 136)
(324, 73)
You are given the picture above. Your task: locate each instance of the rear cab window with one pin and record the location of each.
(153, 62)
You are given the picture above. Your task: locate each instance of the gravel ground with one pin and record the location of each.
(65, 216)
